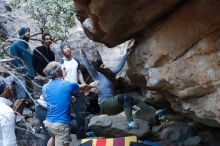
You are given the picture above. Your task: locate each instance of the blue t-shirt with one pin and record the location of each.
(57, 94)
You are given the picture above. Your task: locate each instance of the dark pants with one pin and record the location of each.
(41, 113)
(79, 109)
(124, 102)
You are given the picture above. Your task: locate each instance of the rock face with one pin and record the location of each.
(176, 51)
(180, 134)
(11, 20)
(113, 22)
(4, 19)
(116, 126)
(27, 138)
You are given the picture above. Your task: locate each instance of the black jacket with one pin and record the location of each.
(41, 57)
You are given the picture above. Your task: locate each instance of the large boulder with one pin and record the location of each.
(176, 51)
(116, 126)
(27, 138)
(114, 21)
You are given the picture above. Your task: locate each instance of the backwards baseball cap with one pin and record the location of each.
(63, 44)
(23, 30)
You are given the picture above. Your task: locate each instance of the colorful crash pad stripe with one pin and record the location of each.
(122, 141)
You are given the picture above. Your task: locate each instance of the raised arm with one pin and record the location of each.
(88, 66)
(120, 65)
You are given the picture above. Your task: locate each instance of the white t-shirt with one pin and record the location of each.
(71, 69)
(7, 123)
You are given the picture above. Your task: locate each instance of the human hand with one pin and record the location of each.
(73, 98)
(93, 90)
(41, 97)
(130, 46)
(129, 50)
(85, 87)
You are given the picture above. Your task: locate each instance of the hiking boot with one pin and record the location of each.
(133, 125)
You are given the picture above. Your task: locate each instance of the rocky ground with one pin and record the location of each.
(175, 130)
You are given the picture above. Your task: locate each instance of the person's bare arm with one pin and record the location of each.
(84, 88)
(80, 77)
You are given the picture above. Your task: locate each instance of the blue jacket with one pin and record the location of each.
(20, 48)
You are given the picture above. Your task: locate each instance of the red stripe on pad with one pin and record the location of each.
(101, 142)
(119, 142)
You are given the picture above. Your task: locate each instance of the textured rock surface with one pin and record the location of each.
(180, 134)
(27, 138)
(114, 21)
(116, 126)
(176, 52)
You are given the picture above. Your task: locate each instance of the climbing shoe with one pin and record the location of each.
(133, 125)
(160, 112)
(90, 134)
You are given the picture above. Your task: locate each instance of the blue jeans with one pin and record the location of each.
(41, 113)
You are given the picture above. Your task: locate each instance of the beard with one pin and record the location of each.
(68, 55)
(26, 38)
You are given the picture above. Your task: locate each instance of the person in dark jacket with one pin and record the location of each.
(21, 51)
(23, 64)
(42, 55)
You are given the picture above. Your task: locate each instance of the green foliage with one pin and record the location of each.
(53, 16)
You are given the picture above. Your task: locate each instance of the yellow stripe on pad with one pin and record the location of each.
(109, 142)
(130, 139)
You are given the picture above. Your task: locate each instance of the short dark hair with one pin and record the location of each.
(106, 72)
(45, 34)
(96, 64)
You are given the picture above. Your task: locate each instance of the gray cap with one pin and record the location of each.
(23, 30)
(63, 44)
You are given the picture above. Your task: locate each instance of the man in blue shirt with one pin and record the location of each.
(57, 94)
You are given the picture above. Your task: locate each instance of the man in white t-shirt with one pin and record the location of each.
(74, 75)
